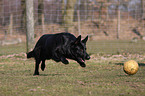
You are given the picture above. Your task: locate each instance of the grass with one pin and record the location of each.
(11, 49)
(116, 47)
(99, 78)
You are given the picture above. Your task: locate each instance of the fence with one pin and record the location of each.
(100, 19)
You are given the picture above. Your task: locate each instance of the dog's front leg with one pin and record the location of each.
(82, 64)
(63, 60)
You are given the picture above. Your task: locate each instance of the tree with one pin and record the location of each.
(30, 24)
(143, 8)
(68, 13)
(23, 18)
(40, 11)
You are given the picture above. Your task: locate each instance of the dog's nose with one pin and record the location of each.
(87, 57)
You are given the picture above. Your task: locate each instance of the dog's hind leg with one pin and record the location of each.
(37, 52)
(36, 72)
(43, 65)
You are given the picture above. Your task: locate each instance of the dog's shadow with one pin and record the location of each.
(140, 64)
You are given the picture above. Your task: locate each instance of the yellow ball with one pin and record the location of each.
(130, 67)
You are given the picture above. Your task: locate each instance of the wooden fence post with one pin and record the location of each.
(79, 24)
(43, 24)
(118, 24)
(143, 9)
(11, 25)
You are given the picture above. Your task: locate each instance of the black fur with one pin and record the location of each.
(59, 47)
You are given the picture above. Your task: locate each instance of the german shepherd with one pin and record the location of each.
(59, 47)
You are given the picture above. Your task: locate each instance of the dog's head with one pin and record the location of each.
(78, 49)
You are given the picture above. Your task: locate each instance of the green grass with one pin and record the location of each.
(93, 47)
(99, 78)
(116, 47)
(11, 49)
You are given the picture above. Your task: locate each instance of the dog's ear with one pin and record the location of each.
(85, 40)
(78, 40)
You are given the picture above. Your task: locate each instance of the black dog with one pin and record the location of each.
(59, 47)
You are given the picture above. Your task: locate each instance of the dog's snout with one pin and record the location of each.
(87, 57)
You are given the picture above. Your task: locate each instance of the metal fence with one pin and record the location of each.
(103, 18)
(100, 19)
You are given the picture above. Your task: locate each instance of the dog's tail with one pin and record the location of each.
(30, 54)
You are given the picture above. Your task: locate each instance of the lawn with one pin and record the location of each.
(103, 75)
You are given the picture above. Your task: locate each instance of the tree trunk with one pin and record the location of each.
(23, 18)
(30, 24)
(68, 14)
(143, 8)
(40, 11)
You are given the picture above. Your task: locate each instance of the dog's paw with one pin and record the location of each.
(36, 73)
(42, 67)
(83, 65)
(65, 62)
